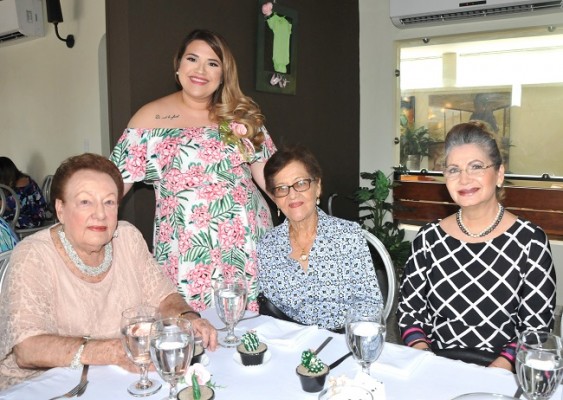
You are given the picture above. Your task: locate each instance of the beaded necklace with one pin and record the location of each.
(487, 230)
(90, 271)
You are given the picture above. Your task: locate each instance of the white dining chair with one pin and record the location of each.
(4, 261)
(376, 244)
(46, 190)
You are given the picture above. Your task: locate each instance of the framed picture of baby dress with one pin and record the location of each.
(276, 53)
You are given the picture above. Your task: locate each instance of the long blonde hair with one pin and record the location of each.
(228, 103)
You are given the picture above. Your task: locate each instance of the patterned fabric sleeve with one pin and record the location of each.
(33, 206)
(367, 285)
(267, 148)
(130, 155)
(412, 312)
(538, 290)
(8, 238)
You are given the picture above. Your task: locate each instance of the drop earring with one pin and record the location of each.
(318, 201)
(278, 212)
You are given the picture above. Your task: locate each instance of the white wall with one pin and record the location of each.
(50, 104)
(379, 90)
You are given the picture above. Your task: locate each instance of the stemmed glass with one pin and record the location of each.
(539, 363)
(171, 348)
(365, 334)
(135, 328)
(230, 301)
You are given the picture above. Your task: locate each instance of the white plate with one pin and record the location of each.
(483, 396)
(267, 357)
(345, 392)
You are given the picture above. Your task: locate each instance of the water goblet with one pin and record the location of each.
(539, 363)
(230, 302)
(365, 335)
(171, 349)
(135, 328)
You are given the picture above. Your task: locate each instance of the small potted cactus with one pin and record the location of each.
(199, 380)
(251, 350)
(312, 372)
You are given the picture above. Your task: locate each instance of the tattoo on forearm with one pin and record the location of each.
(169, 116)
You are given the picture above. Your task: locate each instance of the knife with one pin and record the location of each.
(339, 361)
(322, 346)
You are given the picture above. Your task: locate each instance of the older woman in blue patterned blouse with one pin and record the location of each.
(312, 266)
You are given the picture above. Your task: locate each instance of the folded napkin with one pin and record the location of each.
(342, 387)
(399, 360)
(278, 332)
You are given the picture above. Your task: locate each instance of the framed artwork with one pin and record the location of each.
(276, 53)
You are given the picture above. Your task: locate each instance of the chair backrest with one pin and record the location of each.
(5, 189)
(376, 244)
(46, 190)
(3, 205)
(4, 260)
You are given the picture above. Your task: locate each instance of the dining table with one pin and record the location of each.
(404, 373)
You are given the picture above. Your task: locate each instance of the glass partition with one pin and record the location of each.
(511, 80)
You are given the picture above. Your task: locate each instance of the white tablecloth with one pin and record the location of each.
(407, 374)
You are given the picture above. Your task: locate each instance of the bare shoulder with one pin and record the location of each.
(157, 113)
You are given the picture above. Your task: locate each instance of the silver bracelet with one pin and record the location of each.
(75, 363)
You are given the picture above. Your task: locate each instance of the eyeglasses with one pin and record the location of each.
(474, 170)
(301, 185)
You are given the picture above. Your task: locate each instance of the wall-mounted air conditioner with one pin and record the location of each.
(413, 13)
(21, 19)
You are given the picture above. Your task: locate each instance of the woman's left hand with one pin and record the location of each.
(174, 304)
(207, 332)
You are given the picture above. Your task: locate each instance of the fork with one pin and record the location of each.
(84, 380)
(71, 393)
(79, 389)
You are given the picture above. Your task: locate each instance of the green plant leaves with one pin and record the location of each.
(379, 219)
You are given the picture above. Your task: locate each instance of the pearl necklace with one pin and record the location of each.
(85, 269)
(304, 255)
(487, 230)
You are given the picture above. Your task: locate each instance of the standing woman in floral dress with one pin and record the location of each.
(203, 148)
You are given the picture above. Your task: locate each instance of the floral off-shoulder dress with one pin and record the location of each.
(209, 213)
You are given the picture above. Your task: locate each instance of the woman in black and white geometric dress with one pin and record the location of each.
(479, 277)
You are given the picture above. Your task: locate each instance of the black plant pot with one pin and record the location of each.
(252, 357)
(312, 383)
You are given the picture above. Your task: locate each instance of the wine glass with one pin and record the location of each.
(539, 363)
(135, 328)
(171, 348)
(230, 301)
(365, 334)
